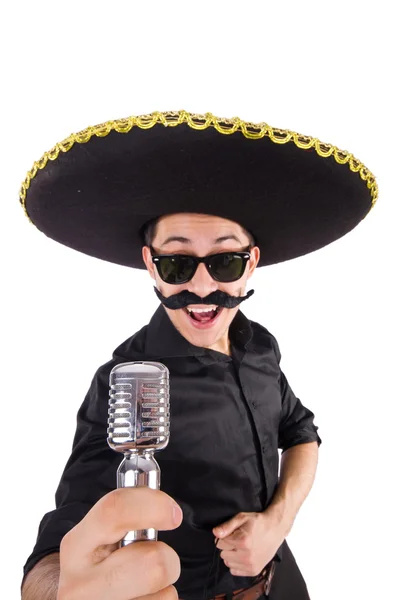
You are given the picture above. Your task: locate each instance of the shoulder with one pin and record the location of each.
(131, 349)
(262, 338)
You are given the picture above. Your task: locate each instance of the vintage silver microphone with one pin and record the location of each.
(138, 426)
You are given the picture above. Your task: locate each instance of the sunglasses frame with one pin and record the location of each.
(245, 254)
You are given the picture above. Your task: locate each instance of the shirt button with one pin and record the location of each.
(263, 449)
(254, 405)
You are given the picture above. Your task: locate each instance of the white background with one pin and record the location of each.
(323, 69)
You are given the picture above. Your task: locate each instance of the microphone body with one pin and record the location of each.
(138, 426)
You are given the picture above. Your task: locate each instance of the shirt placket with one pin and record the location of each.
(251, 403)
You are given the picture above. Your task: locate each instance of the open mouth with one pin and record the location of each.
(203, 317)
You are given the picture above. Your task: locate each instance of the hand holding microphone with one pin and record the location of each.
(93, 567)
(98, 560)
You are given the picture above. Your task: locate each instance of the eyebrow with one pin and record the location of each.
(184, 240)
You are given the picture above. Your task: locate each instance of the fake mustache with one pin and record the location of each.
(185, 298)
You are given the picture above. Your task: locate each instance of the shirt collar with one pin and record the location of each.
(164, 340)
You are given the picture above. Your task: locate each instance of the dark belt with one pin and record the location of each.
(262, 586)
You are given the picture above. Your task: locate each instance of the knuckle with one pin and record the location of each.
(66, 543)
(111, 503)
(119, 502)
(112, 506)
(155, 564)
(170, 563)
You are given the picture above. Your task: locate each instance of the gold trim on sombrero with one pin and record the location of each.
(197, 121)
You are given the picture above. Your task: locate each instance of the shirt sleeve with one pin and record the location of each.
(297, 422)
(89, 474)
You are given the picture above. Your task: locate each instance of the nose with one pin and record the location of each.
(202, 283)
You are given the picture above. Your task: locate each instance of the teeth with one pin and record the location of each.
(201, 310)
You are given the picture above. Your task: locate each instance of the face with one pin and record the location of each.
(201, 235)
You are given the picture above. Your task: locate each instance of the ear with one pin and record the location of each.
(255, 255)
(147, 259)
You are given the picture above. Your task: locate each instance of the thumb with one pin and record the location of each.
(228, 527)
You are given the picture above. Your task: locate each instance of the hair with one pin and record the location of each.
(148, 232)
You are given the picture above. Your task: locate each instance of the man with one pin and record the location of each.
(231, 405)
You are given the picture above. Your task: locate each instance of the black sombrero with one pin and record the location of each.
(95, 190)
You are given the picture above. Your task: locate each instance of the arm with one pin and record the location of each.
(89, 474)
(298, 469)
(248, 542)
(299, 441)
(41, 583)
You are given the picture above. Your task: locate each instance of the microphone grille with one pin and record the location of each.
(139, 409)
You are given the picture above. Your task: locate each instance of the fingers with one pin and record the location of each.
(230, 543)
(233, 560)
(145, 567)
(111, 517)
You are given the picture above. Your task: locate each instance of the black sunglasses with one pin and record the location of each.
(180, 268)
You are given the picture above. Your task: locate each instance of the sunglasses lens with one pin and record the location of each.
(227, 267)
(174, 270)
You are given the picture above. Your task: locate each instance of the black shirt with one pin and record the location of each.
(229, 415)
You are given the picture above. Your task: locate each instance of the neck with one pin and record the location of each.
(222, 346)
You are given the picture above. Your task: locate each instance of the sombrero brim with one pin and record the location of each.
(95, 190)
